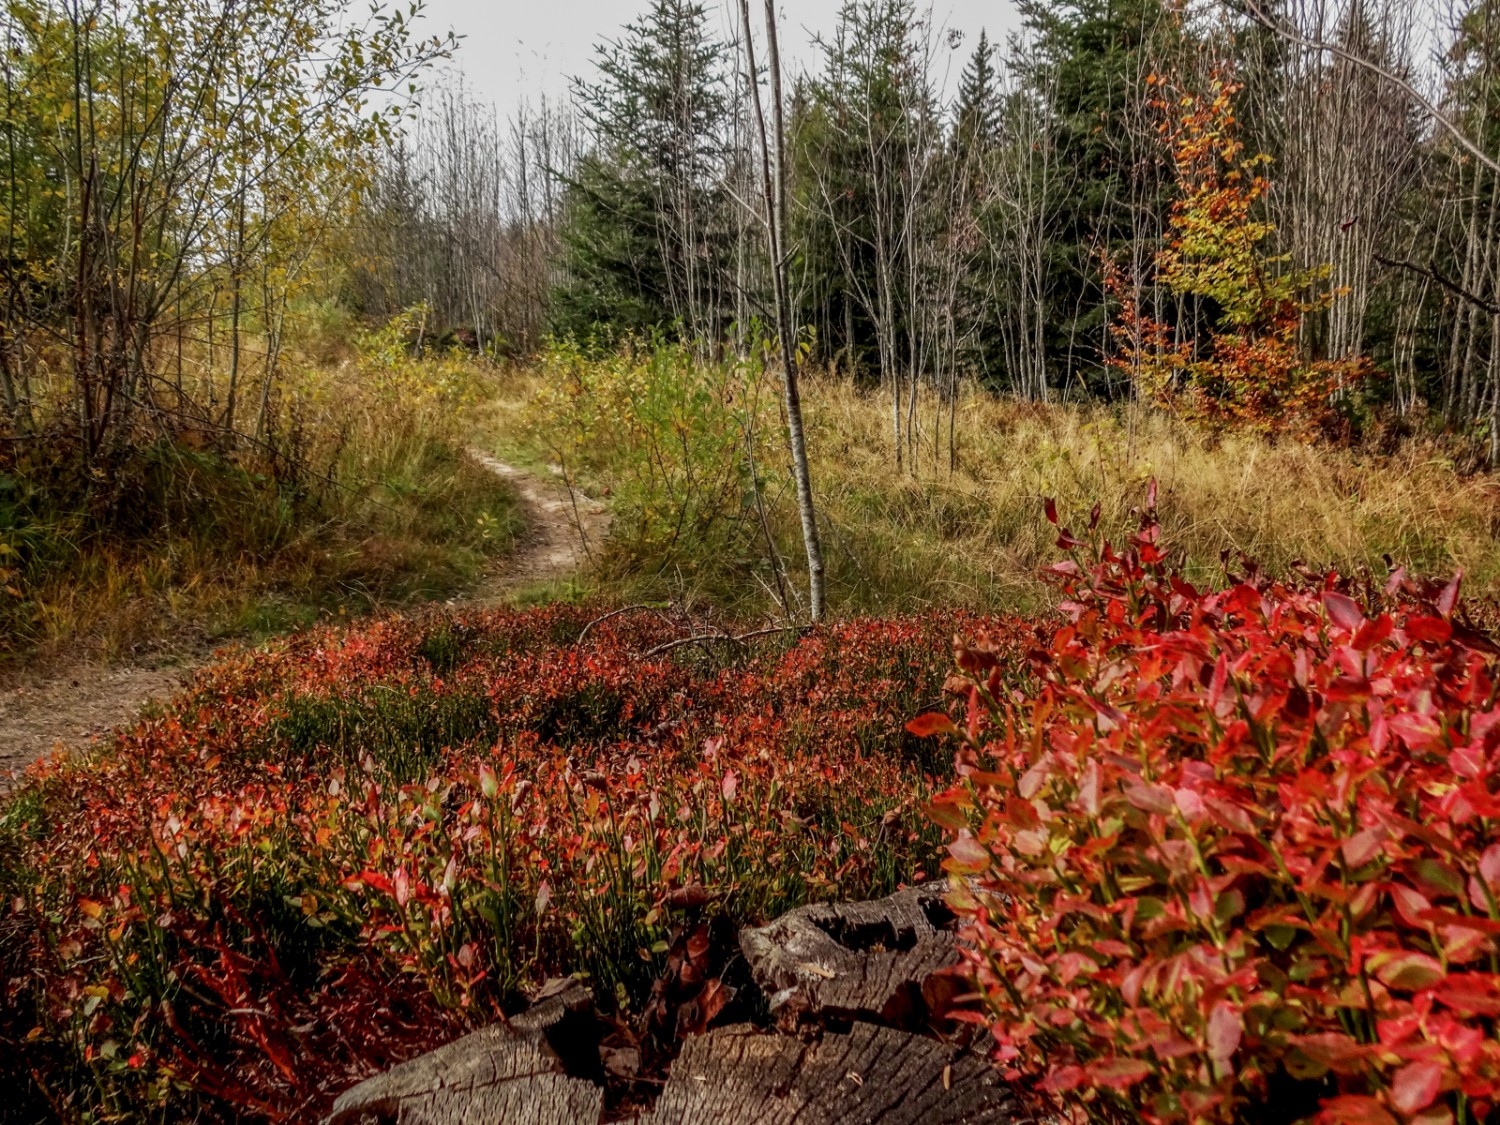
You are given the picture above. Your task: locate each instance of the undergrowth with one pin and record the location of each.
(346, 849)
(969, 534)
(357, 495)
(1232, 856)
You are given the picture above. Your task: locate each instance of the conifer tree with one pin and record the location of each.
(1090, 60)
(977, 117)
(645, 229)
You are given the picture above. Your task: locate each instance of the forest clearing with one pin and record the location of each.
(848, 572)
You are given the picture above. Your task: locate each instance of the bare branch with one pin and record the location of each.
(1292, 35)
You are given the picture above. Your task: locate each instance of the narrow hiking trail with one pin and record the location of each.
(562, 528)
(40, 712)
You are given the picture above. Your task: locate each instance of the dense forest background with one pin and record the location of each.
(179, 177)
(263, 262)
(995, 234)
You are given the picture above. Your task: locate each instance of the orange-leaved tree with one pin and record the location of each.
(1251, 370)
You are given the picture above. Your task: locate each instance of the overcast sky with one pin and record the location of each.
(515, 49)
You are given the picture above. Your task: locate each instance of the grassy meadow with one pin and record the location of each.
(362, 498)
(692, 461)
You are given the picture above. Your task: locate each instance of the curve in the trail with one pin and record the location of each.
(562, 528)
(40, 713)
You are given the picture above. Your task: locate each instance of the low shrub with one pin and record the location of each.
(349, 848)
(671, 441)
(1234, 855)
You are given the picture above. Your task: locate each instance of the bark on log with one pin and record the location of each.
(509, 1073)
(869, 1076)
(858, 960)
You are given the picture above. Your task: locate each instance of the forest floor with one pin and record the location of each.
(68, 707)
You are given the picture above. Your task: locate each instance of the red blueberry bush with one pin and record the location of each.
(346, 850)
(1233, 854)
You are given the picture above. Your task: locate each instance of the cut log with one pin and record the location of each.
(512, 1073)
(858, 960)
(867, 1076)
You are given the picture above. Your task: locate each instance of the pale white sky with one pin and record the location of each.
(514, 49)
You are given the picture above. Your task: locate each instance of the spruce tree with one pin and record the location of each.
(858, 125)
(977, 117)
(1089, 62)
(645, 230)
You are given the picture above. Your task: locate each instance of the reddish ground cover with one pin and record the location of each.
(346, 850)
(1232, 853)
(1239, 848)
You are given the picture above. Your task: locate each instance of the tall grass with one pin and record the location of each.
(358, 495)
(975, 535)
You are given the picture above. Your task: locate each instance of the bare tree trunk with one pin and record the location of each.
(775, 197)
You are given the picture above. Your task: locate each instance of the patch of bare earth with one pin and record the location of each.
(45, 711)
(562, 528)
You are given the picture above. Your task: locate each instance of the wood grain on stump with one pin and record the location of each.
(867, 1076)
(508, 1073)
(859, 980)
(858, 960)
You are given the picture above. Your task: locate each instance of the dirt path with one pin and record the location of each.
(39, 713)
(551, 546)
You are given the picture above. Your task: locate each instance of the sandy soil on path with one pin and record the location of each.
(69, 708)
(551, 545)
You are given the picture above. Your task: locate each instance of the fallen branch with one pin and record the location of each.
(704, 638)
(620, 613)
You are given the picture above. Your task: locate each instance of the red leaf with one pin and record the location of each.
(1448, 599)
(1419, 732)
(1354, 1109)
(1428, 630)
(947, 815)
(1470, 994)
(969, 856)
(1224, 1032)
(1407, 972)
(1119, 1074)
(1416, 1086)
(1051, 507)
(1151, 798)
(1362, 847)
(1062, 1079)
(694, 894)
(1410, 905)
(1489, 867)
(932, 723)
(1371, 633)
(1342, 611)
(1333, 1049)
(1088, 789)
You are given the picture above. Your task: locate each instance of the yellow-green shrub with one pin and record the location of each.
(669, 439)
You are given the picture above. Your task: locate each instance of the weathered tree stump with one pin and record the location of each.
(867, 1076)
(509, 1073)
(871, 961)
(852, 983)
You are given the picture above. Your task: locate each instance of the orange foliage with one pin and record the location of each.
(1251, 371)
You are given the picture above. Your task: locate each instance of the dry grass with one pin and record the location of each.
(385, 509)
(977, 536)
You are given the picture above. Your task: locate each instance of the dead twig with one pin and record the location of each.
(620, 613)
(730, 638)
